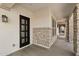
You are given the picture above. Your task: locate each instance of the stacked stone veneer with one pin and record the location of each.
(42, 37)
(77, 30)
(73, 30)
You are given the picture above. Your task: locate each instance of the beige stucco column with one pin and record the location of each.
(67, 29)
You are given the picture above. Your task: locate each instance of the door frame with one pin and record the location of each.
(27, 43)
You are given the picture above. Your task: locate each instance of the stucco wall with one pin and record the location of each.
(9, 32)
(71, 29)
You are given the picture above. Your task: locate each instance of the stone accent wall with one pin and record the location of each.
(75, 30)
(75, 26)
(42, 36)
(73, 36)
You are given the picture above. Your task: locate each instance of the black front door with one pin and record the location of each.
(24, 31)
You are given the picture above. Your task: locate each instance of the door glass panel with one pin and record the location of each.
(22, 27)
(23, 40)
(26, 34)
(26, 28)
(23, 21)
(22, 34)
(26, 40)
(26, 22)
(24, 31)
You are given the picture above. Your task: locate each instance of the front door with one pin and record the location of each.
(24, 31)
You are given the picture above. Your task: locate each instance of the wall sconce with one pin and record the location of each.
(4, 18)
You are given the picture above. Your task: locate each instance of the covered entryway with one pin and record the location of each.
(34, 29)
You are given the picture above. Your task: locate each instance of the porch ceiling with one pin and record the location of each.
(59, 10)
(6, 5)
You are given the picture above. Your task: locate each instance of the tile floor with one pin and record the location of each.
(59, 48)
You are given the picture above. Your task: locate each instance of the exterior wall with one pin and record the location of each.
(40, 22)
(54, 31)
(67, 29)
(9, 32)
(42, 18)
(77, 30)
(74, 31)
(42, 36)
(42, 28)
(71, 29)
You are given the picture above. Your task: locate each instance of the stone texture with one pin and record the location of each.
(75, 29)
(42, 36)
